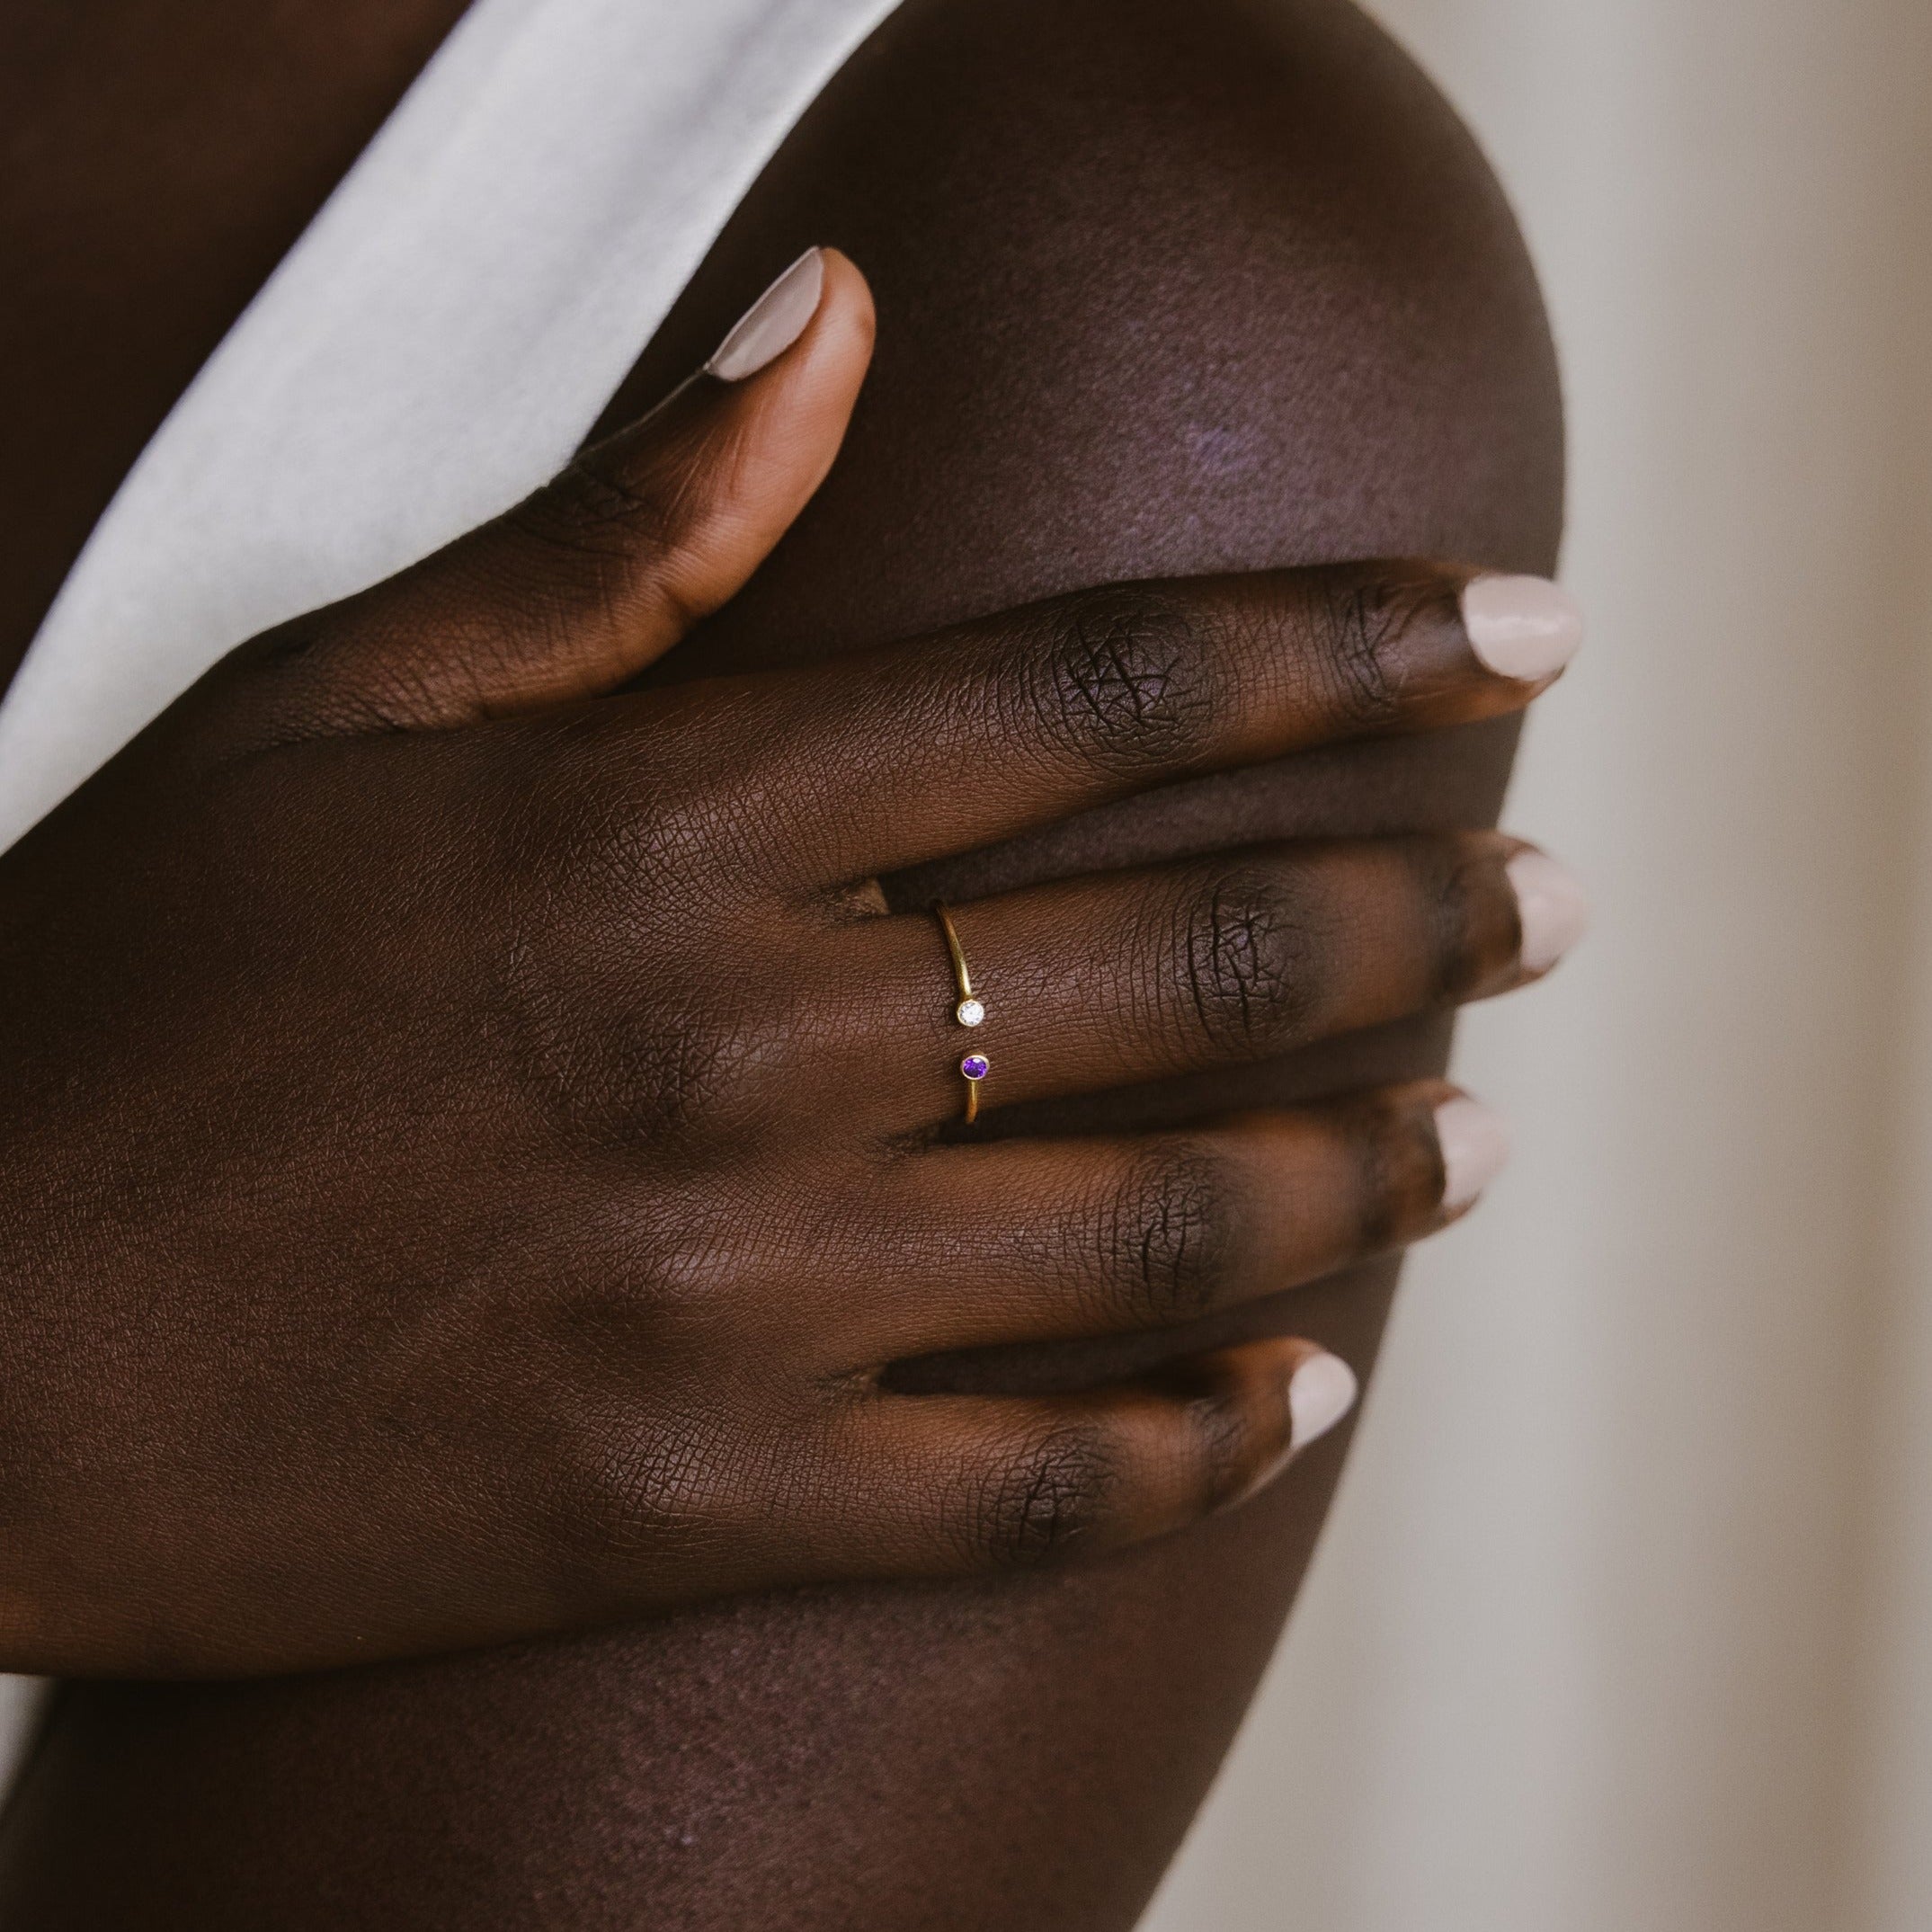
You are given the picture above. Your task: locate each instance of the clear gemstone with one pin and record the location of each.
(976, 1066)
(969, 1012)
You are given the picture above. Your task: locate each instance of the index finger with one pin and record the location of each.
(976, 734)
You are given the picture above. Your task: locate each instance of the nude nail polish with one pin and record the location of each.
(1551, 905)
(1321, 1392)
(1474, 1140)
(773, 323)
(1521, 628)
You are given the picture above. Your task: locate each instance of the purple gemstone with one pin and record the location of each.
(976, 1066)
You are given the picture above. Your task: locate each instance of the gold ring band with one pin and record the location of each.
(968, 1008)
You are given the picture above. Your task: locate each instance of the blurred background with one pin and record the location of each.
(1625, 1618)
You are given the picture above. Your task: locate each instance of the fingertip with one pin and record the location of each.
(834, 356)
(791, 412)
(771, 411)
(1474, 1141)
(1553, 909)
(1525, 628)
(848, 305)
(1321, 1390)
(1317, 1390)
(816, 318)
(774, 323)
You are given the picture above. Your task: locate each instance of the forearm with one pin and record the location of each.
(1159, 298)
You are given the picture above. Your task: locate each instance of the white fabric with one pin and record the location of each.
(436, 343)
(1625, 1622)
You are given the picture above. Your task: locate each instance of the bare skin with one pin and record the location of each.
(885, 1755)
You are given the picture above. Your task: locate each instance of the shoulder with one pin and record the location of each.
(1164, 286)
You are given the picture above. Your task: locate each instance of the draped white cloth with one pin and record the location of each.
(1625, 1622)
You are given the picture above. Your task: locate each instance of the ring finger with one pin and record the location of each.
(1115, 978)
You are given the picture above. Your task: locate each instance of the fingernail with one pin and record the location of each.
(1321, 1392)
(1550, 905)
(773, 323)
(1474, 1140)
(1521, 628)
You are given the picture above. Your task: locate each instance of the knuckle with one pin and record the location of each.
(597, 512)
(1357, 620)
(1169, 1236)
(697, 1078)
(1218, 1439)
(632, 1498)
(1127, 677)
(1466, 913)
(1398, 1164)
(576, 556)
(633, 859)
(1394, 1164)
(687, 1065)
(1049, 1500)
(1229, 1452)
(1251, 958)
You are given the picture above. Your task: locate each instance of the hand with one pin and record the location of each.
(475, 1136)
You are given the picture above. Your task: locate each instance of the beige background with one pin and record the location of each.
(1625, 1623)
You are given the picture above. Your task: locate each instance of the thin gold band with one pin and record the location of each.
(969, 1010)
(961, 977)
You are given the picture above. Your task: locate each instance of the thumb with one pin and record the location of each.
(647, 532)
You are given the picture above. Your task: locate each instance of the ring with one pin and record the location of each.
(969, 1011)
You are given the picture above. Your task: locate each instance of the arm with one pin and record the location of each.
(1161, 293)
